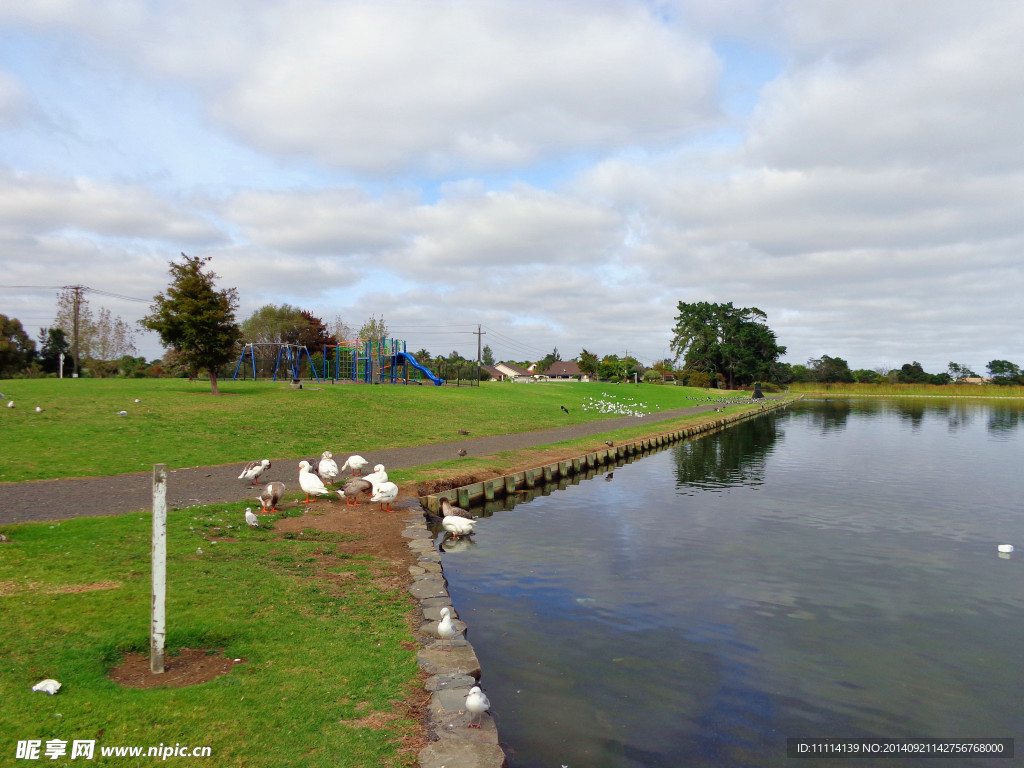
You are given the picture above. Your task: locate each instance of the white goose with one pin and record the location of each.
(378, 475)
(384, 494)
(328, 467)
(354, 464)
(310, 483)
(253, 470)
(457, 526)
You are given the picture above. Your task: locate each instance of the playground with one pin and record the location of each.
(360, 361)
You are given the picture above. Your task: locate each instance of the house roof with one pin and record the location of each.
(563, 368)
(514, 368)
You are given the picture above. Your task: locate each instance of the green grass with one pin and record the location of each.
(326, 661)
(180, 424)
(909, 390)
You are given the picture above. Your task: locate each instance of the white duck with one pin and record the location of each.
(49, 685)
(310, 483)
(328, 467)
(271, 495)
(378, 475)
(384, 494)
(354, 464)
(446, 629)
(477, 703)
(457, 526)
(251, 519)
(253, 470)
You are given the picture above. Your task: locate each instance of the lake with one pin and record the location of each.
(828, 570)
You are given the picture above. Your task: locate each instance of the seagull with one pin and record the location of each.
(384, 494)
(119, 413)
(38, 409)
(49, 685)
(446, 629)
(457, 526)
(251, 519)
(10, 403)
(137, 400)
(310, 483)
(450, 510)
(477, 703)
(328, 467)
(271, 495)
(253, 470)
(354, 464)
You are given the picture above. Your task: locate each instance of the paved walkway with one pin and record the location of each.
(119, 494)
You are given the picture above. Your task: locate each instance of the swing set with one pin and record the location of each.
(290, 354)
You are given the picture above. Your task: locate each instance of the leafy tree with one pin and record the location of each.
(17, 350)
(830, 370)
(721, 339)
(957, 371)
(865, 376)
(374, 329)
(588, 363)
(195, 320)
(548, 360)
(53, 343)
(1003, 368)
(487, 355)
(914, 373)
(423, 357)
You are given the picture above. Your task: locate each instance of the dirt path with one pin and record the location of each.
(119, 494)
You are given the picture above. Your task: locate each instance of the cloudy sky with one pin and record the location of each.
(561, 172)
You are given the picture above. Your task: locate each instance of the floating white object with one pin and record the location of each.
(48, 685)
(1005, 548)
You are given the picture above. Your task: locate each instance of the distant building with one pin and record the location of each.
(564, 370)
(513, 372)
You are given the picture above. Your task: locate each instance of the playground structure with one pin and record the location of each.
(383, 362)
(259, 354)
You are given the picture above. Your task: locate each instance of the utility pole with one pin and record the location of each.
(78, 303)
(479, 353)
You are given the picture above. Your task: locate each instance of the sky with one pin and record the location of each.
(561, 173)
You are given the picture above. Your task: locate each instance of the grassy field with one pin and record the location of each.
(324, 636)
(180, 424)
(908, 390)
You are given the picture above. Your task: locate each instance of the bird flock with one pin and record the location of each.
(614, 405)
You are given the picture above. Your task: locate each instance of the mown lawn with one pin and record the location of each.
(180, 424)
(327, 661)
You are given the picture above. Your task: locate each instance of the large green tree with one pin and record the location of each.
(195, 320)
(720, 339)
(16, 348)
(830, 370)
(588, 363)
(52, 343)
(285, 324)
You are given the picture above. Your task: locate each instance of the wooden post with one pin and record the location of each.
(158, 629)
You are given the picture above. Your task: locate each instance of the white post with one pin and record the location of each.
(61, 365)
(158, 629)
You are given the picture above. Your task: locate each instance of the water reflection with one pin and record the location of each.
(816, 582)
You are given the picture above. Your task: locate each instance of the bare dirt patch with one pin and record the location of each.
(190, 666)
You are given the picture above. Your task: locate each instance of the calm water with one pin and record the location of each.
(827, 571)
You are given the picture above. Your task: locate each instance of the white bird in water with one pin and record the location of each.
(384, 494)
(477, 703)
(251, 519)
(310, 483)
(328, 467)
(271, 495)
(457, 526)
(446, 629)
(354, 464)
(49, 685)
(253, 470)
(1006, 548)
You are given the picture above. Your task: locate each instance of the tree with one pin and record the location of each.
(548, 360)
(423, 357)
(374, 329)
(341, 330)
(588, 363)
(101, 337)
(1003, 368)
(830, 370)
(487, 356)
(52, 344)
(195, 320)
(958, 371)
(721, 339)
(865, 376)
(16, 349)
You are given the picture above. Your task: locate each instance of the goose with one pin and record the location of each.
(477, 704)
(271, 495)
(457, 526)
(378, 475)
(354, 464)
(253, 470)
(461, 451)
(328, 468)
(310, 483)
(446, 629)
(450, 510)
(353, 487)
(49, 685)
(251, 519)
(384, 494)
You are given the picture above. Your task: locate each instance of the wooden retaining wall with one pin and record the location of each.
(539, 480)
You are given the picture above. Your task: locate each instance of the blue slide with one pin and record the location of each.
(425, 371)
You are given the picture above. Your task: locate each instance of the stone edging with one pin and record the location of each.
(453, 673)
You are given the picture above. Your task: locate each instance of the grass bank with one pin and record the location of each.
(178, 423)
(908, 390)
(323, 635)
